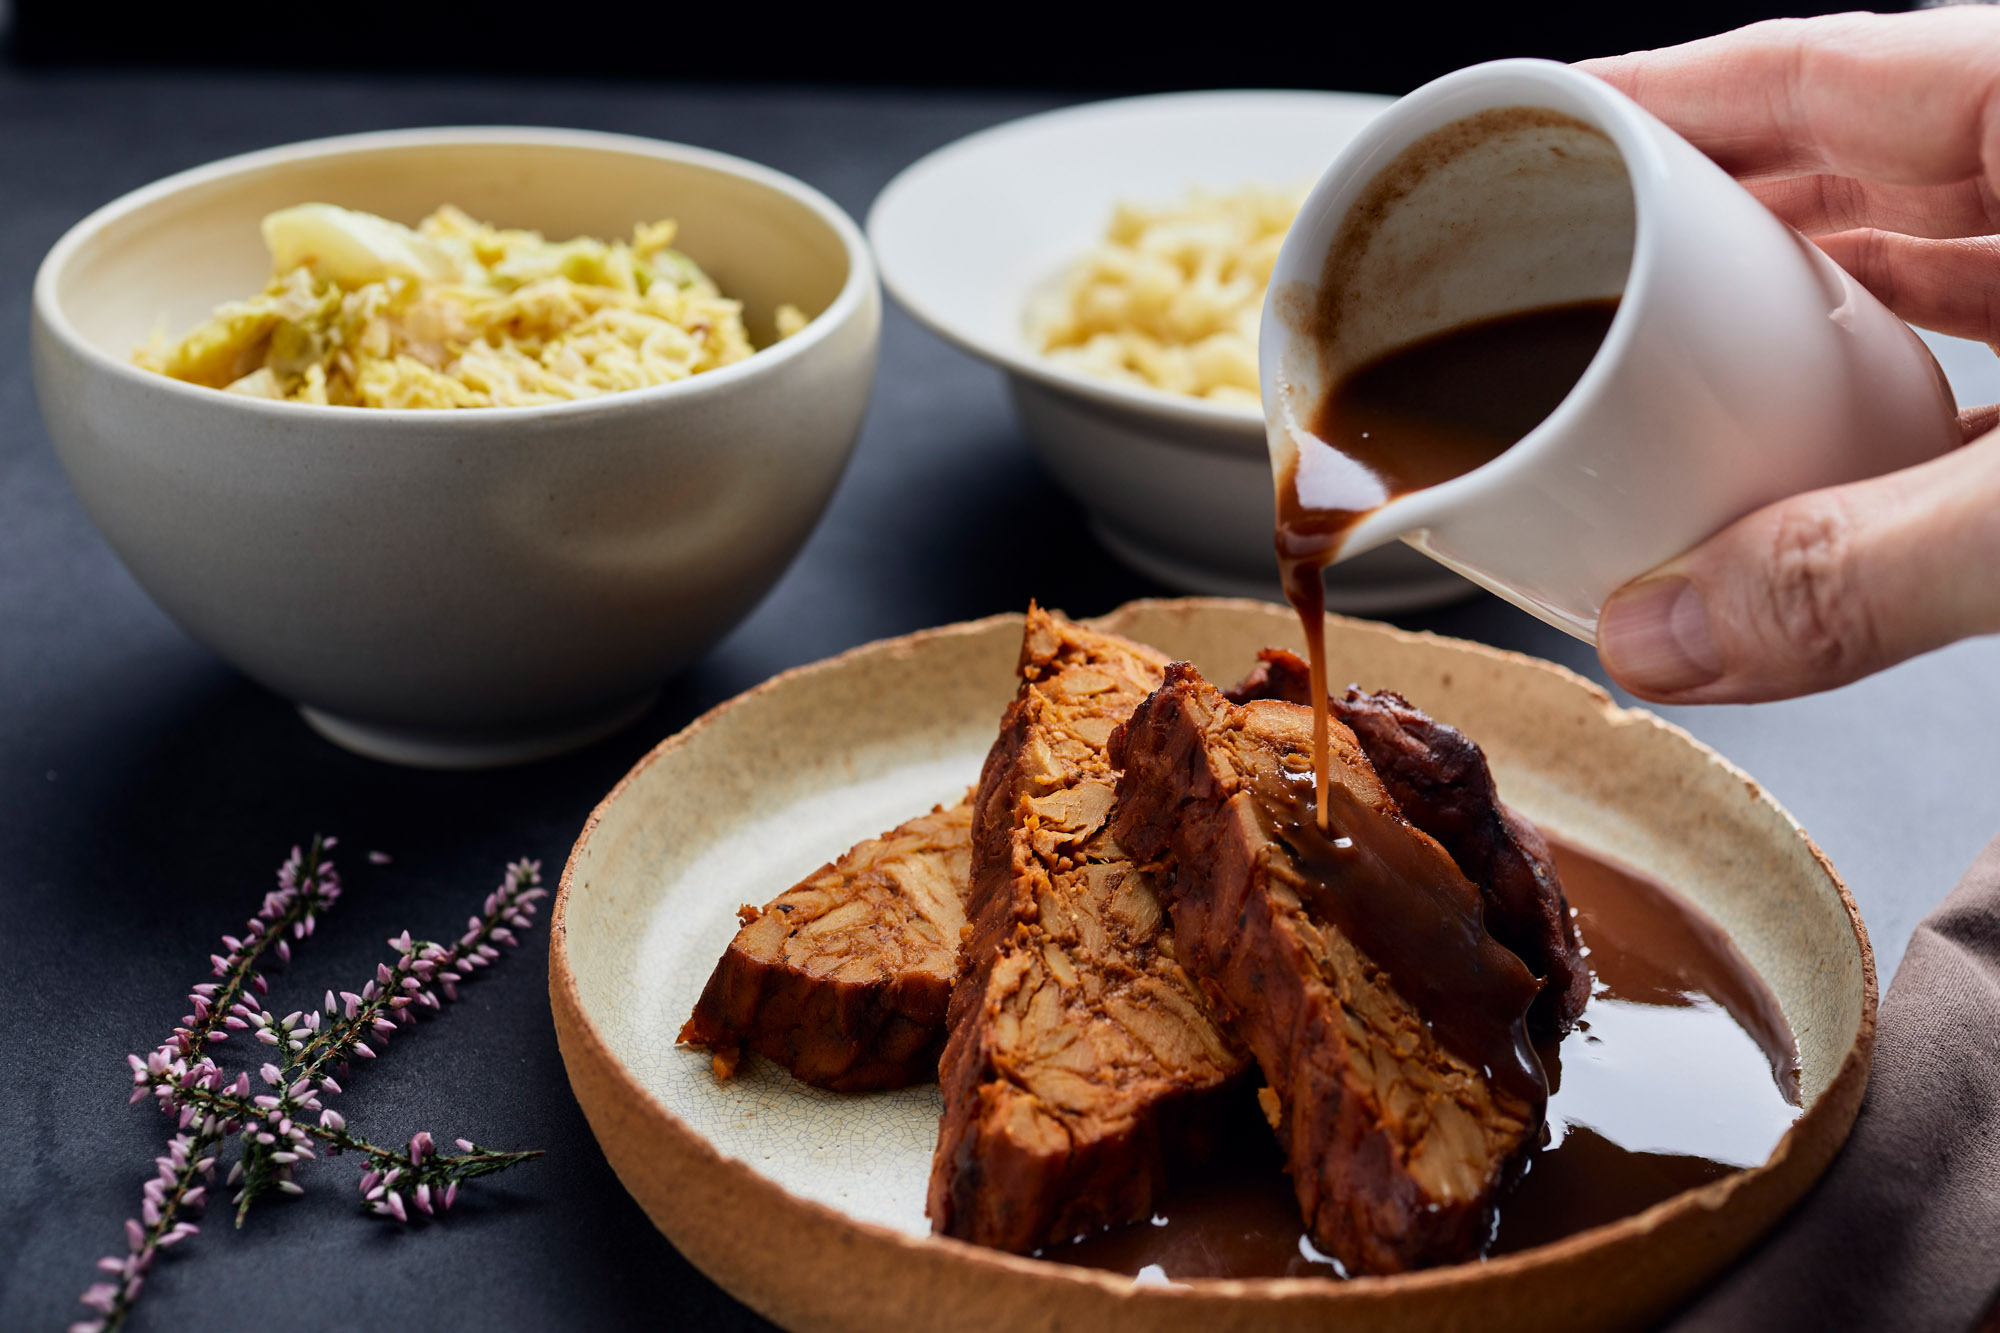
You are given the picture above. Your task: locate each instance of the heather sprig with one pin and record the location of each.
(180, 1184)
(280, 1127)
(308, 884)
(309, 1043)
(421, 970)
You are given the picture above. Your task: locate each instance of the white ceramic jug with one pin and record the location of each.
(1742, 365)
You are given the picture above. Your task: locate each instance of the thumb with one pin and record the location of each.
(1818, 590)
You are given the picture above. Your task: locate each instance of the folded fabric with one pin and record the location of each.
(1903, 1231)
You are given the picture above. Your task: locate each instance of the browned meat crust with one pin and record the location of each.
(1356, 970)
(1079, 1049)
(1440, 779)
(845, 977)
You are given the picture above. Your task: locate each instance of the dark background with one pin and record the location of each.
(1387, 48)
(146, 790)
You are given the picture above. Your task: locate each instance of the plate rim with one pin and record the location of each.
(1830, 1117)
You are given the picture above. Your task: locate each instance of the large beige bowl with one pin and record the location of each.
(767, 1186)
(459, 587)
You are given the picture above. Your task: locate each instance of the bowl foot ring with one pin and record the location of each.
(416, 747)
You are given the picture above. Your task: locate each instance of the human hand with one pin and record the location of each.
(1879, 137)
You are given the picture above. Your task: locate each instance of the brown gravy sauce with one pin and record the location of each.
(1419, 920)
(1407, 420)
(1682, 1071)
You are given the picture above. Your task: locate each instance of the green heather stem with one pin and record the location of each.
(237, 972)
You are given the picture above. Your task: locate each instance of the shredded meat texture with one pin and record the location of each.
(1082, 1060)
(1396, 1144)
(1440, 779)
(844, 979)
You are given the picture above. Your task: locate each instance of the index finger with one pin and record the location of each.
(1910, 99)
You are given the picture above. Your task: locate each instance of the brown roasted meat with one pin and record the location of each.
(1388, 1024)
(845, 977)
(1081, 1056)
(1440, 780)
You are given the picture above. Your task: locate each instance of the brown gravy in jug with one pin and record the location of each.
(1409, 419)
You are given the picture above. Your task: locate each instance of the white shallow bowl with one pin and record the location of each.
(459, 587)
(1178, 487)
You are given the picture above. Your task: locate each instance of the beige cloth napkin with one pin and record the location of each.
(1903, 1232)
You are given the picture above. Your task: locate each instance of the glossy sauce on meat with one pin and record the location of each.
(1410, 419)
(1370, 880)
(1682, 1071)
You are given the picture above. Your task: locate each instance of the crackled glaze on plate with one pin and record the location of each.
(865, 1154)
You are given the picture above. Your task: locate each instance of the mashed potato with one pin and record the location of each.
(1172, 296)
(365, 312)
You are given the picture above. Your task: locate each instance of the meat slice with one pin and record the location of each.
(1388, 1024)
(1440, 780)
(844, 978)
(1080, 1052)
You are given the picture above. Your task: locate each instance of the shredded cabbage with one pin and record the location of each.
(364, 312)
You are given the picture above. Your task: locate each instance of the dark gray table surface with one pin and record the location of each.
(147, 791)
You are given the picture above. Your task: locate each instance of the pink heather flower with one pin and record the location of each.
(378, 858)
(177, 1072)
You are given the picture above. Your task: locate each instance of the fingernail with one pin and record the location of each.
(1654, 639)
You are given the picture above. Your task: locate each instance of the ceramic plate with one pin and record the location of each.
(808, 1205)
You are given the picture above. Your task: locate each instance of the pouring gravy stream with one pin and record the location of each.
(1407, 420)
